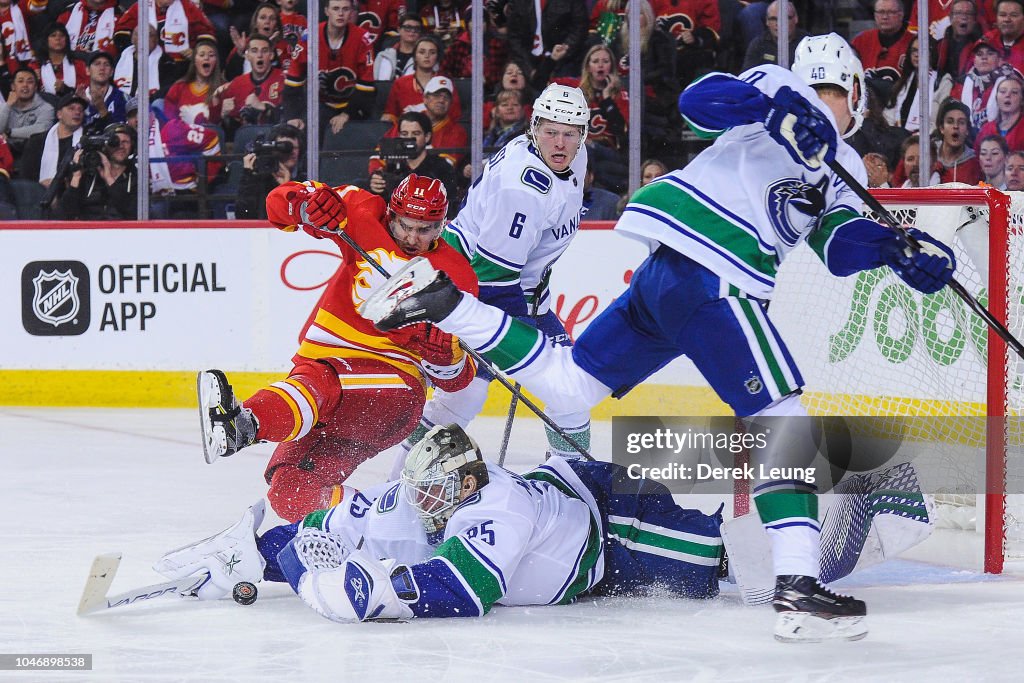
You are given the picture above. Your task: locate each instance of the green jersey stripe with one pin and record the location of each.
(819, 238)
(767, 352)
(515, 345)
(477, 576)
(488, 271)
(633, 537)
(689, 216)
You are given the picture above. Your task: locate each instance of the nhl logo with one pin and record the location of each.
(753, 385)
(55, 298)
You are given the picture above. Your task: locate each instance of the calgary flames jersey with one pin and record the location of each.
(342, 72)
(334, 328)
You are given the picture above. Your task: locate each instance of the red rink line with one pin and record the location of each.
(184, 225)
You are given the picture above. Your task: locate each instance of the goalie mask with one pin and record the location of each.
(829, 60)
(434, 470)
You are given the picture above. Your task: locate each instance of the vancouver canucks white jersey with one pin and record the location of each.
(520, 540)
(742, 204)
(518, 218)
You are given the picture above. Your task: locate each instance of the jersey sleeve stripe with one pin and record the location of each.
(497, 259)
(454, 237)
(496, 338)
(479, 578)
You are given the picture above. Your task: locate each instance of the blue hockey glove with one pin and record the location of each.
(927, 268)
(801, 129)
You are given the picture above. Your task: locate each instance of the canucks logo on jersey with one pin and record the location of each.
(794, 206)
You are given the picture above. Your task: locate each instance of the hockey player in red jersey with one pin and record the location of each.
(353, 391)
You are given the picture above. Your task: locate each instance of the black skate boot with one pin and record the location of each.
(416, 293)
(227, 427)
(809, 612)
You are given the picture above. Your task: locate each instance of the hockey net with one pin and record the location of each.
(868, 345)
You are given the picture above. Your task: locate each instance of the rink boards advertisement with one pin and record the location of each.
(160, 303)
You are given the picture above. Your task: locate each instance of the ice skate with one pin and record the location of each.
(227, 427)
(809, 612)
(415, 293)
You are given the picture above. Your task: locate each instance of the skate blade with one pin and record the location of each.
(214, 438)
(804, 627)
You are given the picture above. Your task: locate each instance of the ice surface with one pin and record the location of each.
(79, 482)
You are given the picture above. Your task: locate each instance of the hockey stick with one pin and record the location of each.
(958, 288)
(514, 402)
(475, 355)
(101, 576)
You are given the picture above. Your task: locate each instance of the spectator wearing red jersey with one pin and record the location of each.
(265, 21)
(255, 97)
(396, 61)
(959, 37)
(1006, 121)
(293, 24)
(447, 132)
(179, 24)
(14, 32)
(883, 49)
(344, 75)
(407, 92)
(380, 19)
(1008, 36)
(90, 25)
(60, 72)
(191, 97)
(957, 161)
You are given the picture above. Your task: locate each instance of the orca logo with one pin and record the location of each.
(55, 298)
(792, 206)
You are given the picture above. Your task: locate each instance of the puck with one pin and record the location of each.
(244, 593)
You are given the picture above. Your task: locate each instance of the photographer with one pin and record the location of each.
(102, 182)
(270, 163)
(407, 154)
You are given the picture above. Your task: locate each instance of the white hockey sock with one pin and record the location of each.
(795, 550)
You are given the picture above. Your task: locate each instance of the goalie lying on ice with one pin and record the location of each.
(461, 535)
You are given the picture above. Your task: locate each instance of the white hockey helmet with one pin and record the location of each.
(829, 60)
(561, 104)
(433, 473)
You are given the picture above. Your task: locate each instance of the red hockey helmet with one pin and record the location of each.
(420, 198)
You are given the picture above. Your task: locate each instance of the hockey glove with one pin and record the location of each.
(927, 267)
(360, 589)
(801, 128)
(442, 356)
(322, 210)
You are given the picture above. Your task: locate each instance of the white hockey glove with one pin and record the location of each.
(359, 590)
(227, 558)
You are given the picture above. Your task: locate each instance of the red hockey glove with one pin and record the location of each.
(443, 358)
(323, 209)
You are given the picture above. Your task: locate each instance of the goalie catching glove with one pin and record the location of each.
(926, 266)
(316, 208)
(800, 127)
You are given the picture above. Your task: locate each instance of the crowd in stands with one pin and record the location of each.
(227, 79)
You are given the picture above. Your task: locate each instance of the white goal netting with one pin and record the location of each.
(868, 345)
